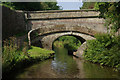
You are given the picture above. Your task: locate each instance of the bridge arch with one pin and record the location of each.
(76, 36)
(46, 40)
(82, 40)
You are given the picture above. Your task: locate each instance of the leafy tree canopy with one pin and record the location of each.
(32, 6)
(110, 11)
(88, 5)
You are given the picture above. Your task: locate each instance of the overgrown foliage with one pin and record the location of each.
(32, 6)
(12, 55)
(108, 10)
(69, 42)
(88, 5)
(104, 50)
(111, 12)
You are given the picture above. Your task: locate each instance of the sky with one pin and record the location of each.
(70, 5)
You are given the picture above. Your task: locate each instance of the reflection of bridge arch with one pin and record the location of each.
(46, 40)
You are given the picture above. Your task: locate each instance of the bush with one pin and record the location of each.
(104, 50)
(12, 54)
(111, 12)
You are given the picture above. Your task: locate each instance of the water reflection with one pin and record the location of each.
(63, 63)
(96, 71)
(66, 66)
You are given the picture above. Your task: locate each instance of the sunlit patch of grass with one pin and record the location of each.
(13, 56)
(38, 52)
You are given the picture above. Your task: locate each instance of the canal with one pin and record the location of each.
(67, 66)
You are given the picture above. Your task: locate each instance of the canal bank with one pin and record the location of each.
(67, 66)
(64, 65)
(34, 55)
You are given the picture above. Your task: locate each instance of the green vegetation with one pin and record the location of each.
(111, 12)
(31, 6)
(104, 50)
(69, 42)
(108, 10)
(39, 52)
(88, 5)
(12, 54)
(59, 44)
(7, 4)
(21, 34)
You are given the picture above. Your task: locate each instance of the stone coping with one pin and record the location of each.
(63, 18)
(57, 11)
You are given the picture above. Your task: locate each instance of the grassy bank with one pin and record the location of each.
(15, 57)
(105, 50)
(36, 52)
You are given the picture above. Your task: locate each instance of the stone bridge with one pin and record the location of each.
(46, 26)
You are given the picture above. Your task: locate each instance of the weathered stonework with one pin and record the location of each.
(47, 40)
(66, 18)
(80, 51)
(47, 26)
(91, 23)
(13, 22)
(60, 14)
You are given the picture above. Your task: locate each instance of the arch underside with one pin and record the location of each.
(46, 40)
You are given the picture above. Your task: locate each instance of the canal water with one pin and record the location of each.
(67, 66)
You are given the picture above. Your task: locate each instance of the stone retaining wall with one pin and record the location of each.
(13, 22)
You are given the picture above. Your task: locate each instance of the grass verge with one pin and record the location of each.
(35, 52)
(15, 59)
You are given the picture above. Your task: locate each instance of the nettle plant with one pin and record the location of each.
(12, 52)
(105, 50)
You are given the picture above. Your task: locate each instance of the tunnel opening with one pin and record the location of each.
(70, 42)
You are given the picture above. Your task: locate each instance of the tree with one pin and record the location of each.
(111, 12)
(108, 10)
(33, 6)
(88, 5)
